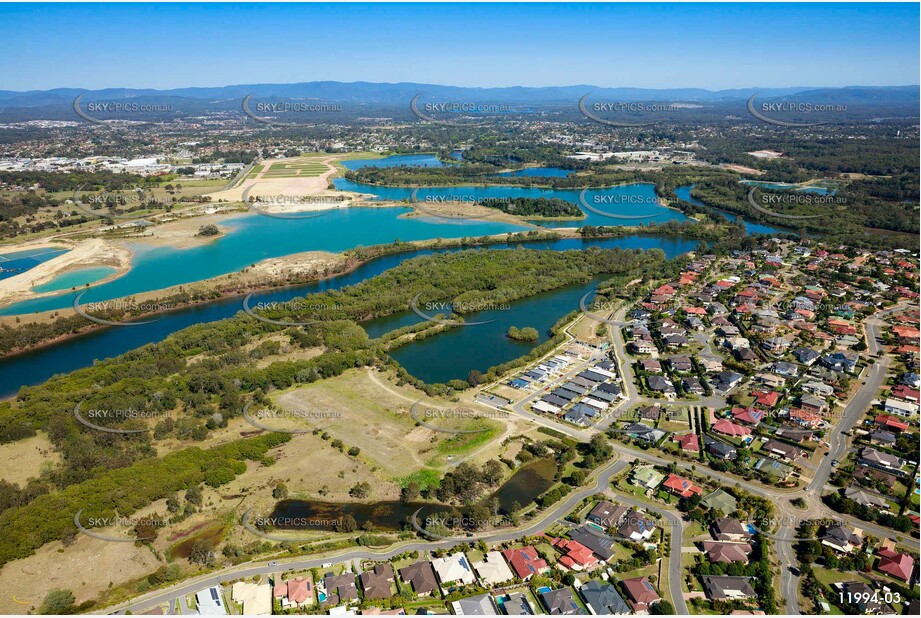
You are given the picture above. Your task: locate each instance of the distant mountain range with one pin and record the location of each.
(400, 93)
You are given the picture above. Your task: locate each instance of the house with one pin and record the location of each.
(517, 604)
(680, 364)
(421, 576)
(725, 552)
(526, 562)
(750, 416)
(866, 499)
(728, 428)
(862, 596)
(607, 514)
(806, 356)
(645, 433)
(721, 501)
(256, 599)
(729, 529)
(794, 435)
(785, 369)
(813, 404)
(453, 569)
(805, 418)
(209, 602)
(576, 556)
(681, 487)
(692, 385)
(842, 539)
(820, 389)
(603, 599)
(294, 593)
(660, 384)
(785, 451)
(900, 408)
(688, 442)
(635, 527)
(878, 459)
(896, 564)
(883, 438)
(891, 423)
(721, 450)
(647, 477)
(493, 570)
(766, 399)
(340, 588)
(600, 543)
(479, 605)
(651, 365)
(727, 588)
(378, 582)
(641, 593)
(561, 602)
(725, 381)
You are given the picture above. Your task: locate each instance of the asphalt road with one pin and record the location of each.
(789, 587)
(191, 586)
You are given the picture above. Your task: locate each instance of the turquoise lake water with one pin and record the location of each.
(75, 279)
(414, 160)
(684, 194)
(539, 172)
(13, 263)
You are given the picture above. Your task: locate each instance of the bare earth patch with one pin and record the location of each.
(23, 459)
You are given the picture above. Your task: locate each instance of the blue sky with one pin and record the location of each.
(642, 45)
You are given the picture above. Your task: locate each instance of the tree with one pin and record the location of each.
(662, 608)
(202, 552)
(410, 492)
(474, 378)
(280, 492)
(58, 601)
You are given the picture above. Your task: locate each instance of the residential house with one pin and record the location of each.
(493, 570)
(730, 529)
(526, 562)
(727, 588)
(681, 487)
(561, 602)
(421, 576)
(721, 501)
(640, 593)
(453, 569)
(479, 605)
(647, 477)
(896, 564)
(842, 538)
(602, 599)
(378, 582)
(340, 588)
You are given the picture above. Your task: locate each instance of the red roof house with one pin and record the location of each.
(729, 428)
(525, 561)
(681, 486)
(895, 564)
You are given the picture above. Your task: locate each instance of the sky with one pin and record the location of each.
(714, 46)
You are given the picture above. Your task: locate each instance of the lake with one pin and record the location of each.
(625, 200)
(523, 487)
(16, 262)
(684, 194)
(538, 172)
(36, 366)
